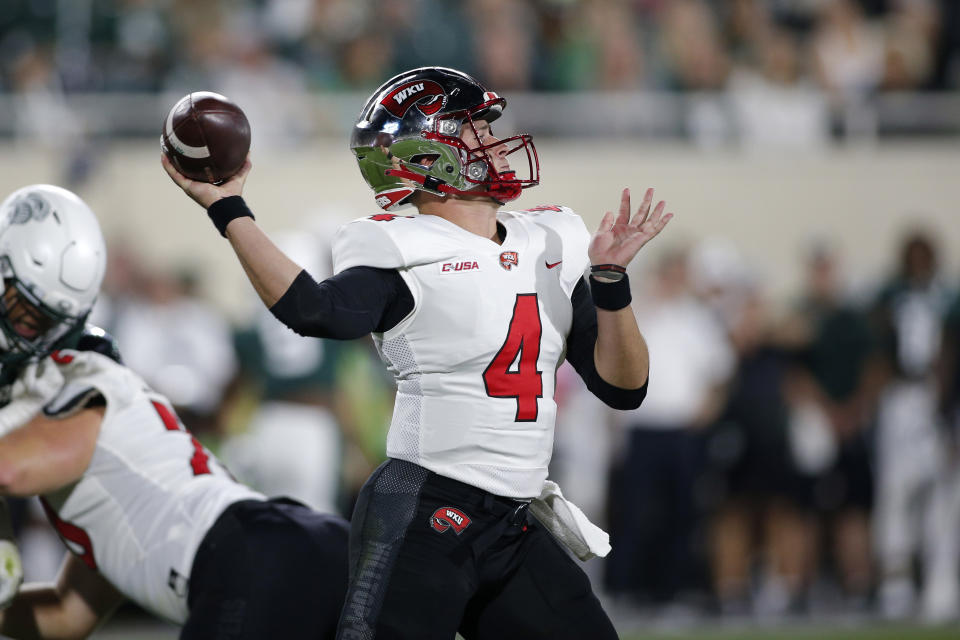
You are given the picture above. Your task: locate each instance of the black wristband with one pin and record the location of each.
(611, 296)
(226, 209)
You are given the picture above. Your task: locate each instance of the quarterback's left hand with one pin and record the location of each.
(11, 572)
(619, 238)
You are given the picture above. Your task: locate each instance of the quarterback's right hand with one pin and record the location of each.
(11, 572)
(204, 193)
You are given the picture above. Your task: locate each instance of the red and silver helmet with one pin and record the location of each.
(407, 139)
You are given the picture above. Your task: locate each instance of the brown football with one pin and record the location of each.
(206, 136)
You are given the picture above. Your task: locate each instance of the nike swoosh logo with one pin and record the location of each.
(551, 266)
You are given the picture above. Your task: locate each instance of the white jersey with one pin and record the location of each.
(475, 361)
(151, 491)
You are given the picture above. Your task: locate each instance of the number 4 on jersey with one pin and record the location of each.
(522, 346)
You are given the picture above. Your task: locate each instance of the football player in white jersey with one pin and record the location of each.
(145, 510)
(472, 308)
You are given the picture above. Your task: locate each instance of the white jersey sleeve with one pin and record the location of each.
(572, 235)
(150, 494)
(388, 241)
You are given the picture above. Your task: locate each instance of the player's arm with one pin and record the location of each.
(620, 353)
(268, 268)
(46, 454)
(581, 349)
(348, 305)
(71, 608)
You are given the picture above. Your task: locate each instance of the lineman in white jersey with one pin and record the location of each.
(145, 510)
(472, 309)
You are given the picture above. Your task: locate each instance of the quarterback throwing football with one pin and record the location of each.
(472, 308)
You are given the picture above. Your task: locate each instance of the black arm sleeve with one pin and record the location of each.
(580, 346)
(348, 305)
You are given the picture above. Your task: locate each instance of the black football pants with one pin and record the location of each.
(268, 569)
(430, 556)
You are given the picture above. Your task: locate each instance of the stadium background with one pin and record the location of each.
(776, 130)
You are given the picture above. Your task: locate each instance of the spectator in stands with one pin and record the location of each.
(774, 103)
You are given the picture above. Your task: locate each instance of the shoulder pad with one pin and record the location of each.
(88, 374)
(389, 241)
(567, 224)
(553, 208)
(96, 339)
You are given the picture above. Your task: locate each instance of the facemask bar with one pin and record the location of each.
(479, 168)
(20, 305)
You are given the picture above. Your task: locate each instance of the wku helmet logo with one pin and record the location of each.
(449, 517)
(427, 95)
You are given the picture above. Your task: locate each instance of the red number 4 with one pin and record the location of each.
(523, 340)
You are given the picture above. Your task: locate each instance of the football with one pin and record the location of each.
(206, 136)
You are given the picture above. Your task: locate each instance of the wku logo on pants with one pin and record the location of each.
(449, 517)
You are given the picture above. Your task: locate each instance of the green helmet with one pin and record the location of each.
(407, 139)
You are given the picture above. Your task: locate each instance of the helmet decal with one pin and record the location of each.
(427, 95)
(30, 207)
(411, 135)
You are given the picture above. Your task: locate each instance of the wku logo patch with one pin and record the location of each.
(449, 517)
(509, 260)
(427, 95)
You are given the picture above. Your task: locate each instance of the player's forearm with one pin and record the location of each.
(269, 270)
(39, 612)
(71, 608)
(621, 354)
(46, 454)
(583, 351)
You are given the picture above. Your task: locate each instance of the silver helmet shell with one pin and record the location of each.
(52, 260)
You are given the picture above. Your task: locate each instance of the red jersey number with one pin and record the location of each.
(75, 538)
(200, 459)
(522, 345)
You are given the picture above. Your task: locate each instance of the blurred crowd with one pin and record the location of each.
(842, 46)
(759, 73)
(787, 462)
